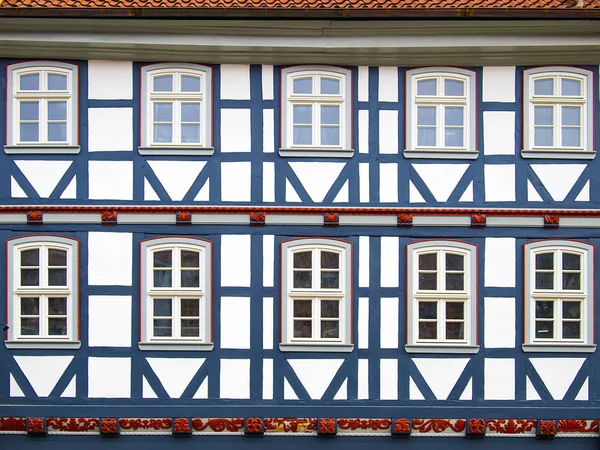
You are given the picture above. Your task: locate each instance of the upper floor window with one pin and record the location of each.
(176, 109)
(558, 112)
(440, 113)
(316, 112)
(442, 297)
(42, 108)
(43, 292)
(559, 287)
(316, 290)
(176, 294)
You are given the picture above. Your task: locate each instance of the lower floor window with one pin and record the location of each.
(176, 317)
(558, 319)
(317, 318)
(43, 316)
(442, 320)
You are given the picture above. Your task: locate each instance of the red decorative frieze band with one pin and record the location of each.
(254, 425)
(35, 217)
(36, 425)
(327, 427)
(13, 424)
(181, 426)
(183, 218)
(145, 424)
(109, 217)
(547, 429)
(71, 424)
(108, 426)
(439, 425)
(578, 426)
(476, 427)
(511, 426)
(364, 424)
(290, 425)
(401, 427)
(257, 218)
(218, 425)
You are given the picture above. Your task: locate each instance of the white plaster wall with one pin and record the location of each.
(499, 182)
(235, 378)
(110, 80)
(388, 182)
(499, 84)
(268, 322)
(235, 260)
(363, 131)
(388, 387)
(43, 372)
(267, 82)
(109, 258)
(235, 181)
(235, 130)
(499, 132)
(109, 377)
(364, 268)
(363, 379)
(235, 81)
(175, 374)
(388, 132)
(363, 322)
(235, 322)
(110, 180)
(500, 262)
(43, 176)
(390, 255)
(109, 321)
(363, 84)
(389, 322)
(268, 182)
(268, 259)
(110, 129)
(388, 84)
(267, 379)
(268, 130)
(499, 377)
(499, 322)
(363, 179)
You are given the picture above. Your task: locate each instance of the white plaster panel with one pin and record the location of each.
(70, 191)
(110, 180)
(342, 393)
(499, 377)
(499, 84)
(177, 177)
(468, 194)
(343, 194)
(532, 194)
(388, 183)
(267, 379)
(268, 131)
(268, 182)
(268, 323)
(147, 391)
(388, 388)
(235, 130)
(109, 377)
(441, 179)
(363, 131)
(288, 391)
(235, 378)
(71, 389)
(363, 322)
(109, 321)
(291, 195)
(204, 192)
(317, 177)
(267, 82)
(558, 179)
(235, 181)
(364, 269)
(468, 392)
(16, 191)
(584, 392)
(440, 374)
(43, 372)
(363, 84)
(500, 262)
(235, 322)
(43, 175)
(390, 256)
(149, 192)
(499, 182)
(388, 84)
(584, 194)
(414, 393)
(202, 391)
(315, 374)
(175, 374)
(110, 80)
(500, 322)
(557, 373)
(389, 322)
(109, 258)
(414, 196)
(268, 259)
(15, 389)
(530, 392)
(363, 179)
(363, 379)
(499, 132)
(110, 129)
(235, 260)
(235, 81)
(388, 132)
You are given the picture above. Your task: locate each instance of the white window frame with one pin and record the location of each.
(344, 100)
(288, 294)
(585, 101)
(15, 291)
(468, 295)
(468, 102)
(586, 295)
(205, 146)
(148, 292)
(15, 95)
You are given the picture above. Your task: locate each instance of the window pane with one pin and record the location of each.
(29, 111)
(30, 257)
(543, 115)
(571, 261)
(190, 278)
(57, 306)
(455, 262)
(330, 114)
(163, 133)
(571, 137)
(455, 310)
(571, 310)
(428, 261)
(570, 87)
(57, 326)
(330, 280)
(30, 326)
(190, 83)
(571, 330)
(330, 260)
(453, 137)
(302, 280)
(455, 281)
(544, 310)
(163, 112)
(330, 135)
(544, 261)
(29, 82)
(571, 115)
(303, 85)
(427, 87)
(426, 115)
(571, 281)
(57, 277)
(543, 87)
(163, 83)
(428, 281)
(30, 277)
(427, 330)
(302, 328)
(29, 132)
(190, 258)
(162, 307)
(454, 115)
(57, 257)
(190, 134)
(163, 278)
(190, 328)
(427, 310)
(454, 88)
(57, 111)
(455, 330)
(543, 137)
(163, 258)
(544, 280)
(303, 114)
(330, 329)
(330, 86)
(190, 307)
(544, 329)
(30, 306)
(162, 327)
(330, 308)
(302, 135)
(303, 260)
(426, 137)
(57, 82)
(302, 308)
(57, 132)
(190, 112)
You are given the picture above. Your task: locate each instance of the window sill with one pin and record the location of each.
(182, 346)
(557, 348)
(558, 154)
(176, 151)
(440, 348)
(316, 347)
(41, 149)
(43, 344)
(440, 153)
(315, 152)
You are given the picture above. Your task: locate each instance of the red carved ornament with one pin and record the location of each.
(438, 425)
(12, 424)
(183, 216)
(364, 424)
(547, 427)
(181, 426)
(405, 218)
(254, 425)
(511, 426)
(34, 216)
(71, 424)
(218, 425)
(551, 219)
(401, 426)
(327, 426)
(35, 425)
(478, 218)
(578, 426)
(291, 424)
(145, 424)
(108, 426)
(109, 216)
(331, 217)
(476, 426)
(257, 216)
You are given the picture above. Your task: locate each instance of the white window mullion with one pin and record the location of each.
(176, 313)
(441, 329)
(43, 299)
